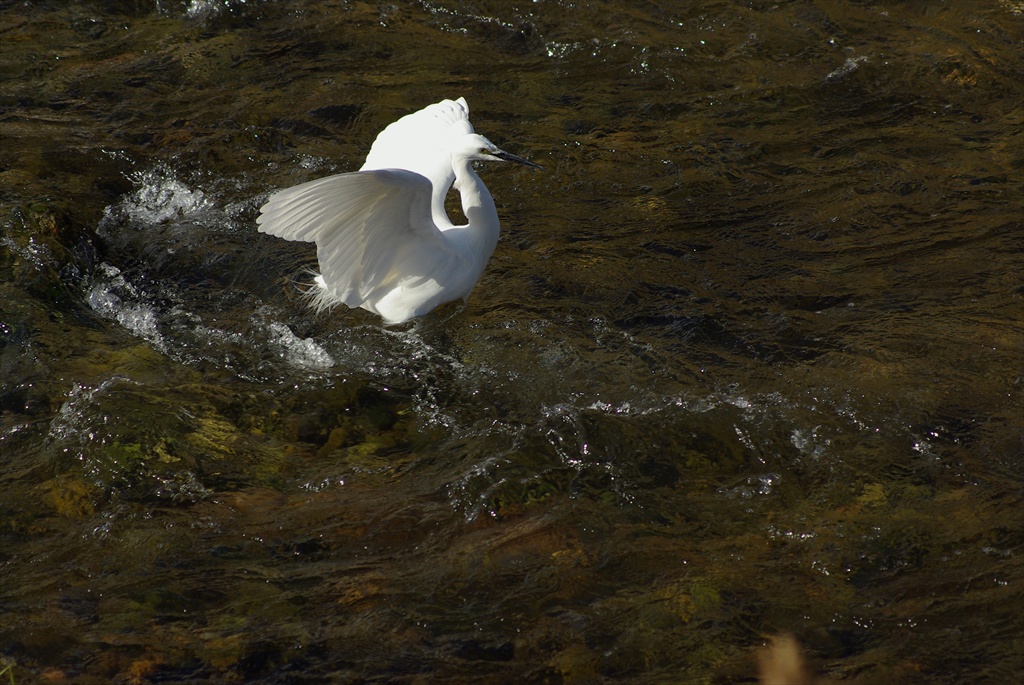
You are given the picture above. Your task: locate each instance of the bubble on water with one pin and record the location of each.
(37, 254)
(72, 420)
(849, 66)
(201, 9)
(810, 441)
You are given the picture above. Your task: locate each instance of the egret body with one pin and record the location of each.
(383, 238)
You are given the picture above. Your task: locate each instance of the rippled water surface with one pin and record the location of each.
(747, 361)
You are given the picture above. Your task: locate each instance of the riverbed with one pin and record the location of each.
(747, 360)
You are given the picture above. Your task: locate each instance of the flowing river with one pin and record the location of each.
(748, 360)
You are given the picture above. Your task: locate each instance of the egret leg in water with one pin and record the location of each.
(383, 238)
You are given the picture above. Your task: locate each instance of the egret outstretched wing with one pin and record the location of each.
(371, 228)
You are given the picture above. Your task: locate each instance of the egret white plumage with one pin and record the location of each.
(383, 238)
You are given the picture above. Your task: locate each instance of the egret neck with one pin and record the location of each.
(479, 238)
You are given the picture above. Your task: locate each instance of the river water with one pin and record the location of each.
(747, 361)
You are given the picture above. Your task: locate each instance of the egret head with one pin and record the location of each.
(478, 149)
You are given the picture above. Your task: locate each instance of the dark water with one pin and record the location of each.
(748, 359)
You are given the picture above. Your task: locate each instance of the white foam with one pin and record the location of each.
(159, 196)
(302, 352)
(140, 319)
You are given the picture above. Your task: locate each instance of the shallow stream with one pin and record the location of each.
(747, 361)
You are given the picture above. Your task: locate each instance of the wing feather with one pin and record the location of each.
(371, 228)
(425, 133)
(421, 142)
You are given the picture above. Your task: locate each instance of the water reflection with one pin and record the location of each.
(746, 361)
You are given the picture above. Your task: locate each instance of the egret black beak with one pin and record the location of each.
(509, 157)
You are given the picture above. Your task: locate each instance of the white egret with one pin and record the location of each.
(383, 238)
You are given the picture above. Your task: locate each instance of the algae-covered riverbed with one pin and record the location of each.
(747, 360)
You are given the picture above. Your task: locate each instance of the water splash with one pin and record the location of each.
(113, 297)
(302, 352)
(160, 196)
